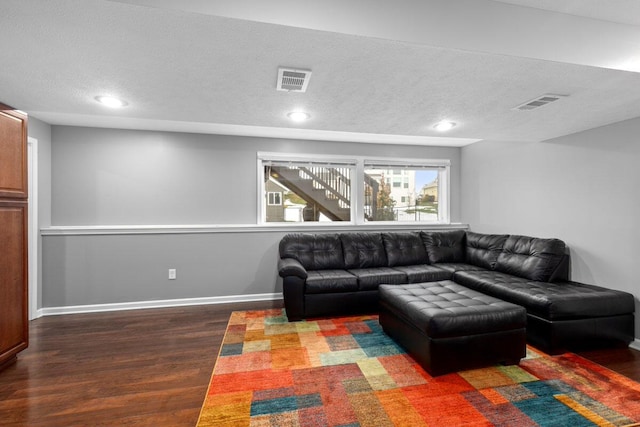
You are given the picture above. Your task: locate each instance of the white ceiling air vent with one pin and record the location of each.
(292, 80)
(539, 102)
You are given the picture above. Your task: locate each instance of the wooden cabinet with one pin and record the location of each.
(14, 326)
(13, 154)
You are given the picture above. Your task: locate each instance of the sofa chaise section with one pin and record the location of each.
(561, 315)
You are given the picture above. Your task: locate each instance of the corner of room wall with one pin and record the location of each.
(41, 131)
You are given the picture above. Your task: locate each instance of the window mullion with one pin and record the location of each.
(358, 193)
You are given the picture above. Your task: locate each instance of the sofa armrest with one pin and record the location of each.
(291, 267)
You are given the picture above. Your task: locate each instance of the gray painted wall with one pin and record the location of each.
(581, 188)
(116, 177)
(101, 269)
(121, 177)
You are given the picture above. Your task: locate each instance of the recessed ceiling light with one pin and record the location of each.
(444, 126)
(298, 116)
(110, 101)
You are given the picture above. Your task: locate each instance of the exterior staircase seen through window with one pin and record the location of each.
(326, 190)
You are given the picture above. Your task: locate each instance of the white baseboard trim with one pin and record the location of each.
(635, 344)
(137, 305)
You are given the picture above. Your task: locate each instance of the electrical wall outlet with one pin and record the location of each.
(172, 274)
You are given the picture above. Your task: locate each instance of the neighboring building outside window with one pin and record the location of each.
(415, 201)
(274, 210)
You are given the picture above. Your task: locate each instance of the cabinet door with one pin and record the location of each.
(13, 153)
(14, 324)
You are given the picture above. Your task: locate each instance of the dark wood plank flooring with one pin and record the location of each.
(143, 367)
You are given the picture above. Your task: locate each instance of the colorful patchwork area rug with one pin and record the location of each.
(347, 372)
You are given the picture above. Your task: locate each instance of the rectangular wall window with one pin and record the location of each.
(421, 198)
(311, 191)
(296, 189)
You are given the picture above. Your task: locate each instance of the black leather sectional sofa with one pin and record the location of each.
(339, 274)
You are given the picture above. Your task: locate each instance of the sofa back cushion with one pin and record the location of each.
(363, 250)
(483, 249)
(404, 249)
(444, 246)
(313, 251)
(531, 257)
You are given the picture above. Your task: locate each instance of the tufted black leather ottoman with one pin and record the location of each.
(447, 327)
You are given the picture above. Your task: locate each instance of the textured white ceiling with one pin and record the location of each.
(621, 11)
(198, 72)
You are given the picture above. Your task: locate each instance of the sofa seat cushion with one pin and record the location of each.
(484, 280)
(370, 278)
(446, 309)
(551, 301)
(327, 281)
(423, 273)
(571, 300)
(452, 267)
